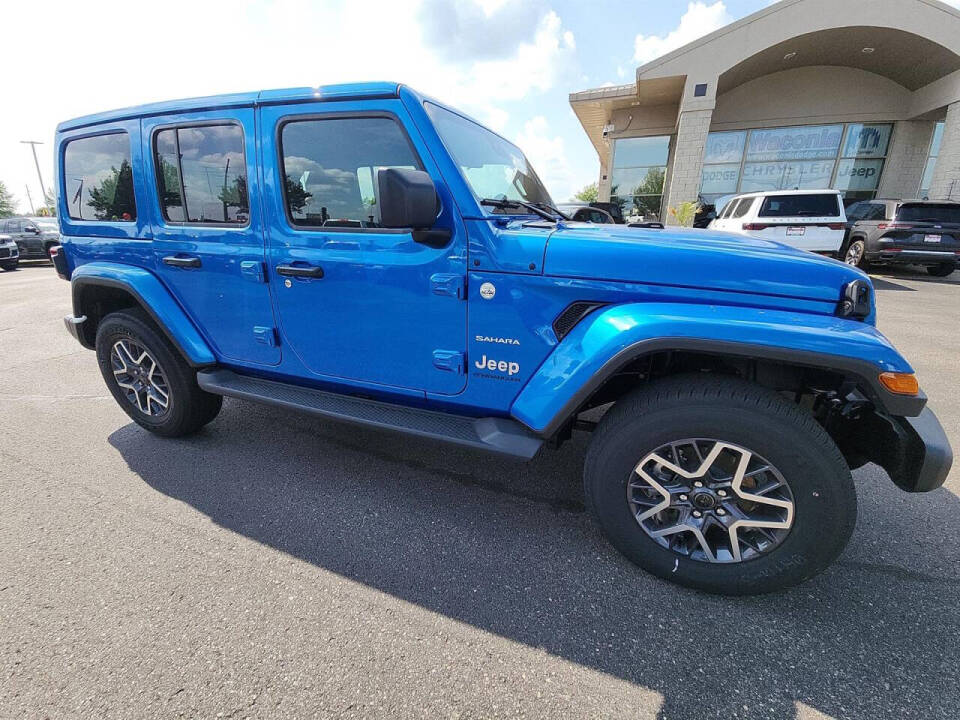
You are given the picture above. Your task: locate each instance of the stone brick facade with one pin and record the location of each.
(946, 175)
(687, 163)
(906, 159)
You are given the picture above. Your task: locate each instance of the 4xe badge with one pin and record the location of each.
(487, 291)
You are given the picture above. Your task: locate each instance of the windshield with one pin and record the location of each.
(46, 223)
(494, 168)
(924, 212)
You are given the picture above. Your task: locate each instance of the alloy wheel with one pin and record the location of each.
(855, 253)
(140, 377)
(711, 501)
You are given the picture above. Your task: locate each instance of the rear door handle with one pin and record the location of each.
(182, 262)
(310, 271)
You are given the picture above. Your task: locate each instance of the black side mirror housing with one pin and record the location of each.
(407, 199)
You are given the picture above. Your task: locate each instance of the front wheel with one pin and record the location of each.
(9, 266)
(720, 485)
(149, 378)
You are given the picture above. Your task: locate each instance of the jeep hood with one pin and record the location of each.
(694, 259)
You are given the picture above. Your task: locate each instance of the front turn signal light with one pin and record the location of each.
(900, 383)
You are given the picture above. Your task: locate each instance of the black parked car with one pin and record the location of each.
(903, 232)
(585, 213)
(33, 235)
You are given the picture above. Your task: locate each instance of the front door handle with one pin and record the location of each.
(182, 262)
(309, 271)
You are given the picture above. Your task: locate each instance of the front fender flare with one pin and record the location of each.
(152, 296)
(606, 341)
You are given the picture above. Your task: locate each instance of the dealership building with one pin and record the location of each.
(858, 95)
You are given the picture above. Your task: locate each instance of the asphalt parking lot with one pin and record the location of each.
(277, 565)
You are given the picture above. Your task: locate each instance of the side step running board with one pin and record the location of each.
(499, 435)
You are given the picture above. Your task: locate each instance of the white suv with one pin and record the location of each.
(812, 220)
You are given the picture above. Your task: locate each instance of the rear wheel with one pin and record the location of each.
(942, 270)
(856, 253)
(149, 378)
(720, 485)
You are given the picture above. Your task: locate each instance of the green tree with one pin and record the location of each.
(297, 197)
(113, 198)
(589, 194)
(647, 195)
(169, 185)
(8, 207)
(685, 213)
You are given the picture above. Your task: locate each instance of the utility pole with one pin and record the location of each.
(30, 200)
(33, 146)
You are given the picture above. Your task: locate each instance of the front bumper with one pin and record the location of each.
(914, 451)
(73, 324)
(9, 251)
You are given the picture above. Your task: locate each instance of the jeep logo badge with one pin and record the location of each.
(487, 291)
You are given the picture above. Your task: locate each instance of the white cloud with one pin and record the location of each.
(699, 20)
(103, 54)
(548, 155)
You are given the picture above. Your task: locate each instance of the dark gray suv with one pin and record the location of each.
(33, 235)
(903, 232)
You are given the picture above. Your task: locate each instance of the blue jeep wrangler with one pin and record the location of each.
(366, 254)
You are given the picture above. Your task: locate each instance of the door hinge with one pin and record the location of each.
(448, 284)
(448, 361)
(265, 336)
(253, 270)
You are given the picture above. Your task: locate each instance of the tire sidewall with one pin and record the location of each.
(123, 326)
(823, 503)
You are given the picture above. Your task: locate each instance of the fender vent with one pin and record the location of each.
(575, 312)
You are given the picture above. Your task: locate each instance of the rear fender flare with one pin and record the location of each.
(606, 341)
(152, 296)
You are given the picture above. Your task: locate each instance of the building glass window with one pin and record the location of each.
(927, 180)
(639, 170)
(848, 158)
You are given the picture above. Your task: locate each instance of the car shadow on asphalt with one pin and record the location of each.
(881, 284)
(505, 547)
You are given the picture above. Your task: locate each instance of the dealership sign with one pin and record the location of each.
(797, 143)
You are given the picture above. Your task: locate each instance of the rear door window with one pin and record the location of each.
(743, 208)
(937, 214)
(98, 179)
(784, 206)
(202, 175)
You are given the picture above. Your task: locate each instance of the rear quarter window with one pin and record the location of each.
(800, 206)
(98, 178)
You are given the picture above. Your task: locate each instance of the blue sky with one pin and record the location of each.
(511, 63)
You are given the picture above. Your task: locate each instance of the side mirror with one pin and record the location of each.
(32, 229)
(407, 199)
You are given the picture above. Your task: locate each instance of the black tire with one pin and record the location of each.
(189, 408)
(10, 266)
(744, 414)
(943, 270)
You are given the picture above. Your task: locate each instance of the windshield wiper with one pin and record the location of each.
(551, 208)
(504, 204)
